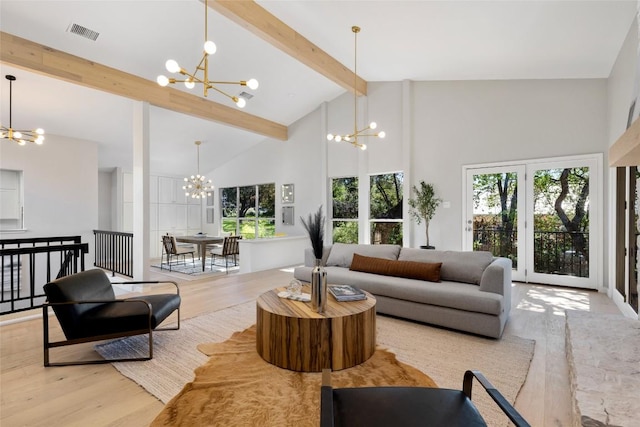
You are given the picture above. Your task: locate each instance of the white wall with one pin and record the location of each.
(460, 123)
(105, 200)
(620, 94)
(60, 187)
(452, 123)
(295, 161)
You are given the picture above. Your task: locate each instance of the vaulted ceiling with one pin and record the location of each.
(301, 51)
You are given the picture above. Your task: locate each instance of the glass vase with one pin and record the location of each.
(318, 287)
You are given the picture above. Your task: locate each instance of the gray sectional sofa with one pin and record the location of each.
(473, 294)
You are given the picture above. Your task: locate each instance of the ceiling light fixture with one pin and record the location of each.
(19, 136)
(191, 79)
(352, 138)
(197, 186)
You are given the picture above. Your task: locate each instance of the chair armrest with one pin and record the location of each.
(151, 282)
(497, 397)
(326, 400)
(109, 301)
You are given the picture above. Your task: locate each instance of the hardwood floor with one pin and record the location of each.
(97, 395)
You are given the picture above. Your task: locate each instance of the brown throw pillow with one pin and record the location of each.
(407, 269)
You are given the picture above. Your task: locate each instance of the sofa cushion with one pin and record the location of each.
(457, 266)
(460, 296)
(387, 267)
(342, 253)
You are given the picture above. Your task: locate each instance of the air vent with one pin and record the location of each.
(83, 31)
(245, 95)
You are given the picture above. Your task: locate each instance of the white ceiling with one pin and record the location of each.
(417, 40)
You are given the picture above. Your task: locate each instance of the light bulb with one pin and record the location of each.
(329, 136)
(241, 102)
(210, 47)
(172, 66)
(17, 134)
(347, 138)
(185, 180)
(381, 134)
(189, 84)
(186, 193)
(253, 84)
(373, 125)
(39, 140)
(192, 177)
(163, 80)
(338, 138)
(363, 147)
(40, 131)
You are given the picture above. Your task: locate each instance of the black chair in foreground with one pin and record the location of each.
(408, 406)
(87, 310)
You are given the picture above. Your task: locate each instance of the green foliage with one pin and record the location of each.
(386, 233)
(386, 196)
(345, 232)
(422, 207)
(345, 197)
(424, 204)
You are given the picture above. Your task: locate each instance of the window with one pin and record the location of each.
(249, 211)
(385, 207)
(345, 209)
(11, 210)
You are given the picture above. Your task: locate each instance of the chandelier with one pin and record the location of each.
(19, 136)
(190, 79)
(197, 186)
(352, 138)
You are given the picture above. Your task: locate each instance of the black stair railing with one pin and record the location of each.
(114, 252)
(28, 264)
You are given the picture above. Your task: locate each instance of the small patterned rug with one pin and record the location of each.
(195, 268)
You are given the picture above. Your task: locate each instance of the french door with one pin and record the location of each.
(544, 215)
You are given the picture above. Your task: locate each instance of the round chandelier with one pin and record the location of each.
(197, 186)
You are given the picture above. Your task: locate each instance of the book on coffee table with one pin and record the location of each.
(346, 293)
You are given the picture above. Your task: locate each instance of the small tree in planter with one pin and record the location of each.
(423, 206)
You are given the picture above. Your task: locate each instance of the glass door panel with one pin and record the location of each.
(493, 218)
(562, 240)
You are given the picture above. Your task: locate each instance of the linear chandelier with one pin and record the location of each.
(197, 186)
(352, 138)
(190, 79)
(20, 136)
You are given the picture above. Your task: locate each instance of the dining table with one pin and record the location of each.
(201, 242)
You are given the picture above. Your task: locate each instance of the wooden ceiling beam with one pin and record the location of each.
(44, 60)
(626, 150)
(260, 22)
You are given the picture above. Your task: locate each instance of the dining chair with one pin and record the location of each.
(230, 248)
(173, 250)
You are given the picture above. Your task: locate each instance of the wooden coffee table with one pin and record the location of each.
(291, 335)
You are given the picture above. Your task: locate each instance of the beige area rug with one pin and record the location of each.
(441, 354)
(237, 388)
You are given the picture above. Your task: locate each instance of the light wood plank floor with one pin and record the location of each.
(97, 395)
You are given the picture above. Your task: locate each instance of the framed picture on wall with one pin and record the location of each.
(209, 215)
(287, 193)
(210, 199)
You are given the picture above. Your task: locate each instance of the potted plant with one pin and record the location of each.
(423, 206)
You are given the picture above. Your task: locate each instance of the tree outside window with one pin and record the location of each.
(345, 209)
(385, 207)
(249, 210)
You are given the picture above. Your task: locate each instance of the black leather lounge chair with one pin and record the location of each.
(87, 310)
(408, 406)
